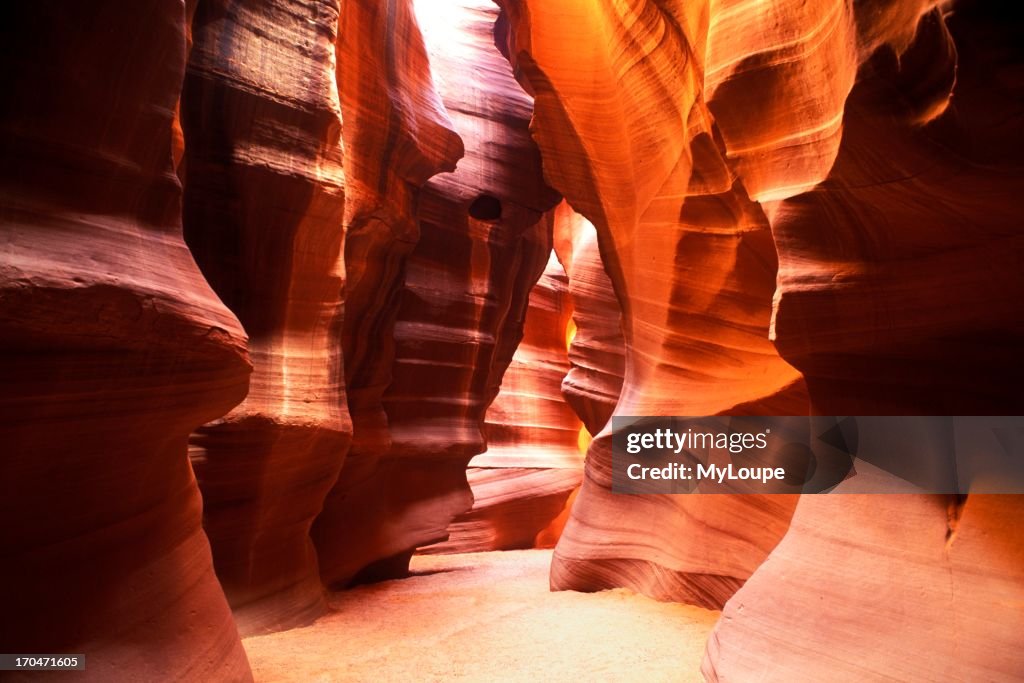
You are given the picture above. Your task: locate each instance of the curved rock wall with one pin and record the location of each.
(532, 463)
(396, 135)
(877, 142)
(910, 303)
(263, 216)
(114, 348)
(896, 586)
(627, 137)
(597, 351)
(789, 207)
(484, 238)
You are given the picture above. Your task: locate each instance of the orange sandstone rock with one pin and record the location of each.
(596, 351)
(900, 293)
(396, 135)
(623, 124)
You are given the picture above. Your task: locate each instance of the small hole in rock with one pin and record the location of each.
(485, 208)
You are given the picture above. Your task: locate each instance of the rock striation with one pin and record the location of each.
(396, 135)
(923, 583)
(908, 303)
(484, 239)
(263, 208)
(626, 134)
(282, 270)
(114, 348)
(596, 350)
(831, 134)
(533, 463)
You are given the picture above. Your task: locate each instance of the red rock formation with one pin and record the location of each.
(263, 216)
(774, 190)
(924, 237)
(484, 240)
(909, 302)
(113, 349)
(396, 135)
(593, 384)
(533, 463)
(628, 138)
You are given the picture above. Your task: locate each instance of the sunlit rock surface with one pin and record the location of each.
(770, 206)
(533, 460)
(627, 137)
(898, 586)
(112, 349)
(263, 212)
(900, 293)
(484, 239)
(911, 299)
(396, 135)
(596, 350)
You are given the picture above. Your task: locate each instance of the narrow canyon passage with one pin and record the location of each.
(333, 331)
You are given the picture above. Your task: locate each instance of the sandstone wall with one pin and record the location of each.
(522, 483)
(910, 303)
(263, 205)
(484, 234)
(114, 348)
(627, 136)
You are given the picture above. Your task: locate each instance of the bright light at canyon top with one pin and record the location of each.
(441, 23)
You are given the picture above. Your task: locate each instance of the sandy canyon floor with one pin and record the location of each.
(487, 617)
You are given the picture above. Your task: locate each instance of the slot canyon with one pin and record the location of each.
(318, 318)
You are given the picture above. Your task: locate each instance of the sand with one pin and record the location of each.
(487, 617)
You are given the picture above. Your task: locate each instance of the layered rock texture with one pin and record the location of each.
(282, 270)
(114, 348)
(628, 138)
(596, 349)
(484, 239)
(533, 462)
(106, 312)
(871, 147)
(396, 135)
(908, 304)
(262, 212)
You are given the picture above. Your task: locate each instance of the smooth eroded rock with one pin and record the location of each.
(114, 348)
(627, 136)
(484, 239)
(263, 208)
